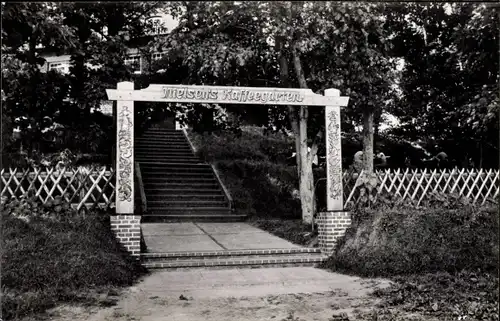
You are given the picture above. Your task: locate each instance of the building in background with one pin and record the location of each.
(162, 25)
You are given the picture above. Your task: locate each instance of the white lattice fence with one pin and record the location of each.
(477, 185)
(79, 186)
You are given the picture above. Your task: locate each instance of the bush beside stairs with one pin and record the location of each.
(181, 187)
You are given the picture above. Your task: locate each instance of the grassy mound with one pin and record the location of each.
(253, 167)
(443, 261)
(407, 240)
(46, 261)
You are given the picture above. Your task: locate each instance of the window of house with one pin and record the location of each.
(59, 66)
(158, 26)
(135, 63)
(158, 55)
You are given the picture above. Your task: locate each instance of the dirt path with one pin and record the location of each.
(316, 306)
(220, 296)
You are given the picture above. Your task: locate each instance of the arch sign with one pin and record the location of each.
(125, 95)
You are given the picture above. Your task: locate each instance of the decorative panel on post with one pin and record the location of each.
(334, 188)
(126, 225)
(125, 153)
(333, 223)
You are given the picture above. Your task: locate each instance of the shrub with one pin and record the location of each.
(261, 188)
(54, 254)
(247, 146)
(295, 231)
(406, 240)
(253, 168)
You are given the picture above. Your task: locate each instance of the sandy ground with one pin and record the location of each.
(315, 306)
(323, 297)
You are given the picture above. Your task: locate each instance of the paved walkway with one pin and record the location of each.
(174, 237)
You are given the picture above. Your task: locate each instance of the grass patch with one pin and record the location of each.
(261, 189)
(407, 240)
(253, 167)
(251, 144)
(459, 296)
(46, 261)
(443, 261)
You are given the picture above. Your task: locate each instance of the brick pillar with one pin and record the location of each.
(331, 226)
(127, 229)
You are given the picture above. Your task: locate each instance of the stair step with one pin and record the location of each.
(159, 129)
(161, 174)
(189, 198)
(160, 155)
(245, 253)
(151, 142)
(149, 177)
(160, 210)
(302, 260)
(184, 191)
(164, 148)
(169, 218)
(166, 132)
(169, 160)
(163, 141)
(163, 136)
(164, 153)
(186, 204)
(160, 144)
(177, 169)
(156, 186)
(148, 141)
(174, 165)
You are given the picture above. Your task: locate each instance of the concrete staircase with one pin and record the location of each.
(177, 184)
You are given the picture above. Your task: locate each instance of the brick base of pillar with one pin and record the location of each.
(331, 226)
(127, 229)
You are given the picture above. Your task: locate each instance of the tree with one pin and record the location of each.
(354, 37)
(25, 27)
(96, 36)
(449, 84)
(220, 43)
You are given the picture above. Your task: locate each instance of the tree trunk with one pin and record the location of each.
(292, 110)
(368, 141)
(306, 177)
(376, 124)
(306, 182)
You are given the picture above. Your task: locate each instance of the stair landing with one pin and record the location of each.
(220, 245)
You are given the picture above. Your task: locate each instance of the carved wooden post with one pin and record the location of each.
(125, 153)
(125, 224)
(333, 223)
(334, 187)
